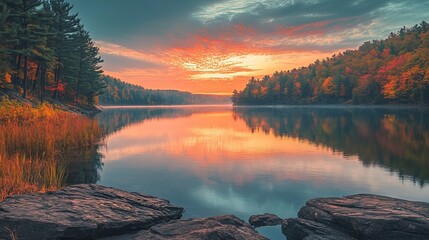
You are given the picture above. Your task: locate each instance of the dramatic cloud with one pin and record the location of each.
(215, 46)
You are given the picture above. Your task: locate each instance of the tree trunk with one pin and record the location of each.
(57, 81)
(79, 75)
(77, 92)
(25, 82)
(42, 83)
(15, 78)
(36, 78)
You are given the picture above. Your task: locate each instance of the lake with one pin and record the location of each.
(215, 160)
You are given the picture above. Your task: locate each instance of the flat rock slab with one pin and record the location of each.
(213, 228)
(298, 228)
(266, 219)
(82, 212)
(366, 216)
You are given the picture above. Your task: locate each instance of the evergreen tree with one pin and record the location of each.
(29, 36)
(88, 81)
(43, 48)
(65, 24)
(10, 42)
(4, 57)
(46, 58)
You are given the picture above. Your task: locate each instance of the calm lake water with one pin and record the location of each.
(215, 160)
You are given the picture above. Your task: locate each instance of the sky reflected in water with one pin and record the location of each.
(220, 160)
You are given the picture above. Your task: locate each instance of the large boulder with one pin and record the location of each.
(266, 219)
(82, 212)
(364, 216)
(212, 228)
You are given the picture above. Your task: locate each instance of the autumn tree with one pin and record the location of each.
(393, 70)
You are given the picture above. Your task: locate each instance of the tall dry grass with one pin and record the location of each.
(32, 142)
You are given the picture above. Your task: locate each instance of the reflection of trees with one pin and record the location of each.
(83, 166)
(397, 139)
(115, 119)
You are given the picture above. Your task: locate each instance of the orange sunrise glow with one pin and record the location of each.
(217, 47)
(214, 119)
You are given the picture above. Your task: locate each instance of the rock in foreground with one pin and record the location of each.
(361, 217)
(212, 228)
(298, 228)
(263, 220)
(82, 212)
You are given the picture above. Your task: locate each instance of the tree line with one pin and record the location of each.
(118, 92)
(45, 52)
(390, 71)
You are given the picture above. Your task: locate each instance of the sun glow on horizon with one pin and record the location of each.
(216, 47)
(206, 66)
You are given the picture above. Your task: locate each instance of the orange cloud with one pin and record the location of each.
(118, 50)
(230, 55)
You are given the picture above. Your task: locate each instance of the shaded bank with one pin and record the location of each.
(394, 138)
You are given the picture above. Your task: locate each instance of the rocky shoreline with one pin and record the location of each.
(361, 216)
(90, 211)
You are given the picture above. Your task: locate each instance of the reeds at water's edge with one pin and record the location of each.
(33, 140)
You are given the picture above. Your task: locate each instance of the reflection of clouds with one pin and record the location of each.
(233, 200)
(211, 163)
(228, 201)
(213, 146)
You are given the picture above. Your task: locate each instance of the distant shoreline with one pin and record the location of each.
(340, 105)
(386, 106)
(164, 106)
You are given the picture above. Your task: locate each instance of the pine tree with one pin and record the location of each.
(42, 42)
(4, 58)
(92, 84)
(83, 40)
(65, 24)
(10, 42)
(25, 22)
(46, 58)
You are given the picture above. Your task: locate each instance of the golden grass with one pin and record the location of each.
(19, 175)
(33, 139)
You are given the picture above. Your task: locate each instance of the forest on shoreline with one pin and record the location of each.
(46, 53)
(119, 93)
(390, 71)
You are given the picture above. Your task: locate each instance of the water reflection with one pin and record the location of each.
(83, 166)
(219, 160)
(397, 139)
(115, 119)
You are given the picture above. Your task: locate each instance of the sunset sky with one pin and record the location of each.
(215, 46)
